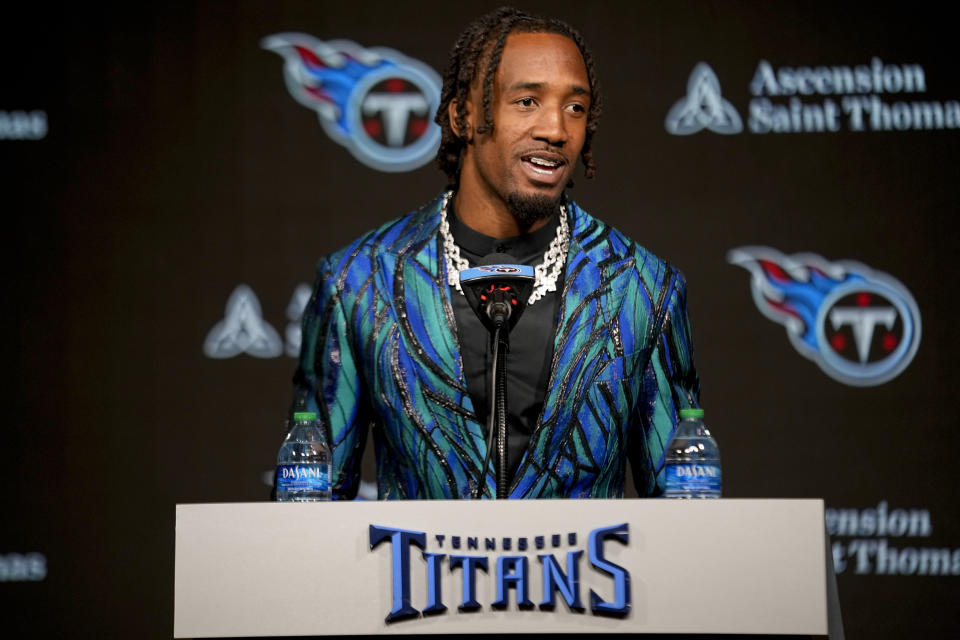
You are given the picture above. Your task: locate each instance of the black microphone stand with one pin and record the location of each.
(497, 291)
(500, 345)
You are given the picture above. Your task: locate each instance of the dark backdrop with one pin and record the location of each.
(167, 164)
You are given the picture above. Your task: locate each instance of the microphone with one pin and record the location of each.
(498, 290)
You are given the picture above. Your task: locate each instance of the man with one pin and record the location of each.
(601, 361)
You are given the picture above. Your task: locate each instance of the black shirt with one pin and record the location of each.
(531, 341)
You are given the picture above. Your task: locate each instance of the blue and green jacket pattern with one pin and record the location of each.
(380, 353)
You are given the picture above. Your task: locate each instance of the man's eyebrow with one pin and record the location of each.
(535, 86)
(532, 86)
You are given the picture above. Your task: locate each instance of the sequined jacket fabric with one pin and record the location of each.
(380, 348)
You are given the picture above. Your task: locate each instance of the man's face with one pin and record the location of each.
(541, 95)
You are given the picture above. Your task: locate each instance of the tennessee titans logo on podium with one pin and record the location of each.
(374, 101)
(862, 327)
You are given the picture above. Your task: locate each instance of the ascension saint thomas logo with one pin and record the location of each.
(243, 329)
(703, 107)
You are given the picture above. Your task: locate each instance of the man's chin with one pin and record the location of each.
(530, 208)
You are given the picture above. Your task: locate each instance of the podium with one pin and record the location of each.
(462, 567)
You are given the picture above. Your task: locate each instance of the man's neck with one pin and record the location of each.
(487, 213)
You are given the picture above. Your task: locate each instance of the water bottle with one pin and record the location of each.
(303, 464)
(692, 460)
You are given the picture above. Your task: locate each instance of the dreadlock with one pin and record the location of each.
(485, 38)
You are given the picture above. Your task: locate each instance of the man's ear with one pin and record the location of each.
(467, 135)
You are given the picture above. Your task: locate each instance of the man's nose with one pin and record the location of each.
(551, 127)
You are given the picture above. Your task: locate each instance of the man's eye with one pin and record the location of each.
(525, 102)
(578, 108)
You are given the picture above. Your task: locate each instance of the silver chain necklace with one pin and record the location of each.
(546, 273)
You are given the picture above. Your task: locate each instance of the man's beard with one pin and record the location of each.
(531, 208)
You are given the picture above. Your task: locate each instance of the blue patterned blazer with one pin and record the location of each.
(380, 348)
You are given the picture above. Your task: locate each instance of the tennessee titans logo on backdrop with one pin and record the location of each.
(861, 326)
(374, 101)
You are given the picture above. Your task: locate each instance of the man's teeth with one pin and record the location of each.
(544, 163)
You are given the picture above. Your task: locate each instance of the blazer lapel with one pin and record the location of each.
(422, 300)
(587, 338)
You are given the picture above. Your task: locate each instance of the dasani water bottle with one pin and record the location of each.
(692, 460)
(303, 464)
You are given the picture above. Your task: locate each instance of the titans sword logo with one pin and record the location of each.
(862, 327)
(375, 101)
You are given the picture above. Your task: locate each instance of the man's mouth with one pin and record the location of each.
(546, 165)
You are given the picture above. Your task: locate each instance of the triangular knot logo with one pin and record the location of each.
(703, 107)
(243, 329)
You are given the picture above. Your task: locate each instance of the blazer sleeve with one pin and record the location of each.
(328, 379)
(670, 383)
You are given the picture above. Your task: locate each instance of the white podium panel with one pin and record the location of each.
(609, 566)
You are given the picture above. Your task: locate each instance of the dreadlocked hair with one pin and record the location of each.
(485, 38)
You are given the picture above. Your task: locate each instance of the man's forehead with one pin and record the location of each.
(541, 59)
